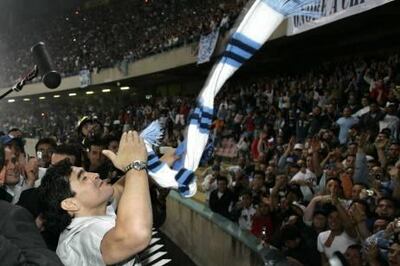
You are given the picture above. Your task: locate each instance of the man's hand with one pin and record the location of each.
(358, 214)
(31, 169)
(380, 144)
(131, 148)
(169, 158)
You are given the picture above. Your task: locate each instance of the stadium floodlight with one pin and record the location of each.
(42, 98)
(26, 99)
(89, 92)
(125, 88)
(106, 90)
(11, 100)
(57, 96)
(72, 94)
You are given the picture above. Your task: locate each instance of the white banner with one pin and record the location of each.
(331, 10)
(206, 46)
(85, 78)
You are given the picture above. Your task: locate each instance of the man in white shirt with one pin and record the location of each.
(335, 239)
(75, 203)
(306, 179)
(246, 211)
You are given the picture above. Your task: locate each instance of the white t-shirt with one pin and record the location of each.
(42, 172)
(305, 190)
(246, 218)
(340, 243)
(79, 243)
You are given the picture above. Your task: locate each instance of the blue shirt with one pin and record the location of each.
(345, 123)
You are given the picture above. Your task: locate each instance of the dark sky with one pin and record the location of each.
(13, 11)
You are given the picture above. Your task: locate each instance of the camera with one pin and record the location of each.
(39, 155)
(264, 233)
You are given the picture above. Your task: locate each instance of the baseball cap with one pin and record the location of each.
(6, 139)
(298, 146)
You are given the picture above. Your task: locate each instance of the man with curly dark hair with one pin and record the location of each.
(75, 203)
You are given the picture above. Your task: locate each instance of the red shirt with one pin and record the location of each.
(254, 149)
(258, 223)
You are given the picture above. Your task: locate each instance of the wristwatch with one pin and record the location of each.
(136, 165)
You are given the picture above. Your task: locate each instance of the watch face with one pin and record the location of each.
(136, 165)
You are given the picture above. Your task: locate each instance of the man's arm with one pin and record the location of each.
(168, 158)
(132, 231)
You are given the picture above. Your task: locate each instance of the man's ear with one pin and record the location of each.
(70, 205)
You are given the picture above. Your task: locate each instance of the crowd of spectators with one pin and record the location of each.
(316, 166)
(309, 163)
(111, 35)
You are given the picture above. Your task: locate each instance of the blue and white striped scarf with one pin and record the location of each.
(254, 28)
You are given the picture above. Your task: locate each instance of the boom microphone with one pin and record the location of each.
(51, 78)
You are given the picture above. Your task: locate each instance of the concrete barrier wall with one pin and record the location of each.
(208, 238)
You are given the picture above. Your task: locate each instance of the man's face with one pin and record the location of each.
(12, 172)
(346, 112)
(316, 111)
(385, 209)
(352, 150)
(292, 244)
(246, 201)
(222, 186)
(364, 102)
(350, 160)
(334, 221)
(332, 187)
(353, 257)
(95, 155)
(394, 151)
(258, 182)
(380, 224)
(90, 191)
(45, 150)
(355, 192)
(87, 128)
(319, 221)
(394, 255)
(373, 108)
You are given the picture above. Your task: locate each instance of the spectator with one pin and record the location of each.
(221, 199)
(85, 196)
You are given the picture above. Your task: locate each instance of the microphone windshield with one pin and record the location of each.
(50, 78)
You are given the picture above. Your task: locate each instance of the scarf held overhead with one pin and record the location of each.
(254, 28)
